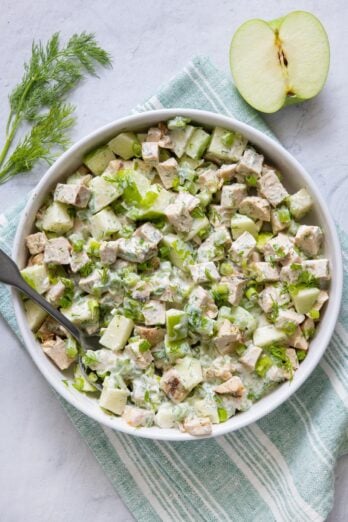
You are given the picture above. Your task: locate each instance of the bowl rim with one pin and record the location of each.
(281, 393)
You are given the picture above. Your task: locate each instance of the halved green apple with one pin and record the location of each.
(280, 62)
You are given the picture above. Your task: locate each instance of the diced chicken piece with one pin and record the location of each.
(55, 293)
(255, 208)
(36, 260)
(212, 249)
(308, 328)
(80, 228)
(265, 272)
(236, 287)
(277, 224)
(168, 172)
(137, 417)
(77, 195)
(318, 268)
(179, 216)
(108, 252)
(309, 239)
(271, 295)
(298, 340)
(220, 216)
(293, 258)
(150, 233)
(105, 360)
(250, 163)
(135, 249)
(150, 152)
(154, 134)
(250, 356)
(322, 298)
(154, 313)
(49, 329)
(220, 369)
(291, 353)
(278, 248)
(210, 180)
(290, 273)
(172, 385)
(233, 195)
(141, 291)
(189, 201)
(227, 338)
(116, 165)
(89, 283)
(288, 318)
(142, 359)
(80, 177)
(242, 247)
(121, 265)
(78, 261)
(56, 350)
(271, 188)
(153, 335)
(227, 172)
(57, 251)
(233, 386)
(198, 426)
(255, 257)
(165, 142)
(204, 272)
(36, 243)
(200, 298)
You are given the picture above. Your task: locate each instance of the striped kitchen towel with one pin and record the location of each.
(280, 468)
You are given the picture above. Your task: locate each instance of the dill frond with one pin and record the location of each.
(39, 99)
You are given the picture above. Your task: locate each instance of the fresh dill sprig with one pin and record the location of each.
(39, 99)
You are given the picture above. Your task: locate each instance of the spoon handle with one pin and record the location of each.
(10, 275)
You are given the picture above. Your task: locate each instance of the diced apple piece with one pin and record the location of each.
(241, 224)
(180, 138)
(113, 400)
(226, 146)
(104, 192)
(300, 203)
(180, 254)
(176, 324)
(197, 144)
(37, 277)
(117, 333)
(304, 299)
(125, 145)
(266, 335)
(35, 315)
(98, 160)
(57, 219)
(104, 224)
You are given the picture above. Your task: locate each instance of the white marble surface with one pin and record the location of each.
(47, 474)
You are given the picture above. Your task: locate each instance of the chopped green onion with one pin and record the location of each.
(227, 139)
(314, 314)
(223, 416)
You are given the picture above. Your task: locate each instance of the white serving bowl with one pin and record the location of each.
(295, 177)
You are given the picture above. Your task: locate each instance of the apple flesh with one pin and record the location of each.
(280, 62)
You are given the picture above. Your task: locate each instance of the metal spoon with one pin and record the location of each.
(10, 275)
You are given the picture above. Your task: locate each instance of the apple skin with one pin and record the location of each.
(290, 99)
(276, 23)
